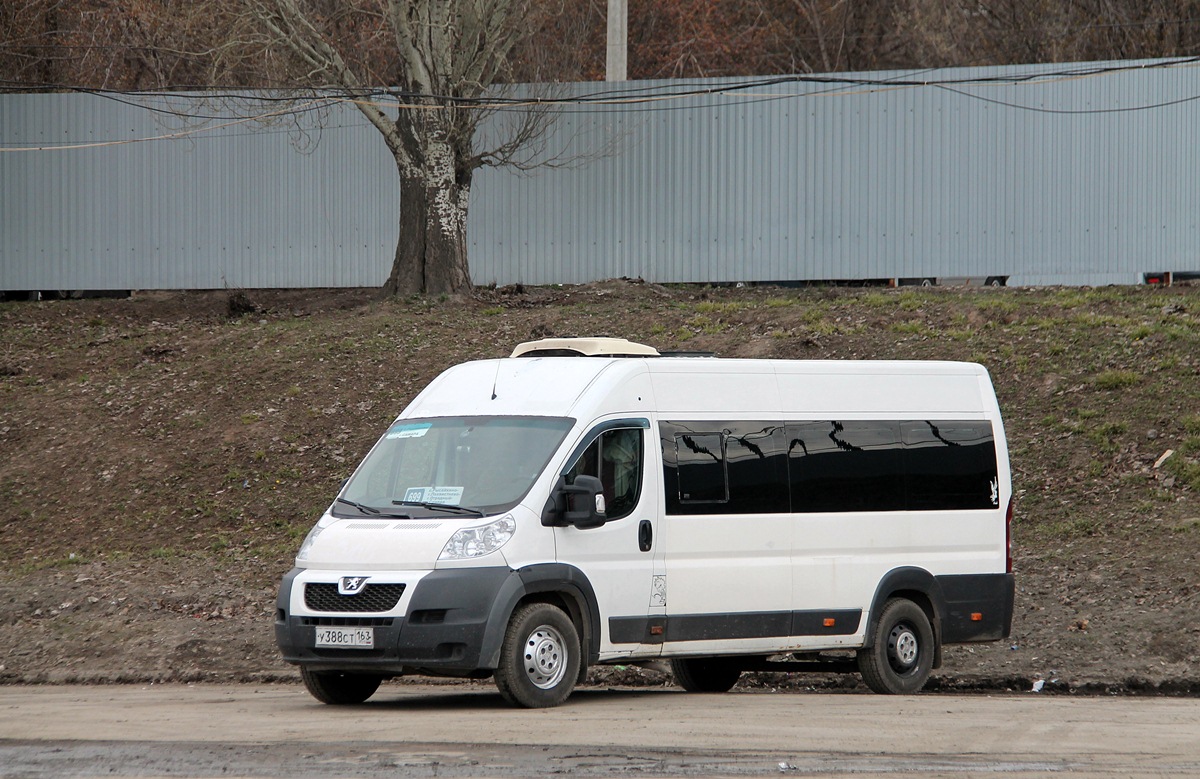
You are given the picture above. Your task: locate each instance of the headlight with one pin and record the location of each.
(479, 541)
(306, 547)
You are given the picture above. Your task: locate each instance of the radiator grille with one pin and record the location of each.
(371, 598)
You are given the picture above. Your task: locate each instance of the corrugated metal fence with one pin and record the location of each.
(1082, 180)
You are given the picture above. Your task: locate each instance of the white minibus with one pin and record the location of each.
(589, 501)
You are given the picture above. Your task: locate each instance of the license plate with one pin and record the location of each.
(346, 638)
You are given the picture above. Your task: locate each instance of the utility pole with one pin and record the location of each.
(616, 62)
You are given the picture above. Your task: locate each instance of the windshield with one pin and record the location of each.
(452, 465)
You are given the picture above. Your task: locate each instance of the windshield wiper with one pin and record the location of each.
(364, 509)
(373, 511)
(439, 507)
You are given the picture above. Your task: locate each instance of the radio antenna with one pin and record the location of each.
(496, 380)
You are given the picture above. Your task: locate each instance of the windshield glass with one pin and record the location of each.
(428, 467)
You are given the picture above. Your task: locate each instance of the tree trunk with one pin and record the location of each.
(431, 252)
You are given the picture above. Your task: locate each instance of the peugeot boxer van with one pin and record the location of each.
(591, 502)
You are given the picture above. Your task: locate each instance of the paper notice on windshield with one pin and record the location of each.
(403, 430)
(451, 496)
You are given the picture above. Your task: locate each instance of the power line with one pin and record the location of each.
(629, 94)
(644, 98)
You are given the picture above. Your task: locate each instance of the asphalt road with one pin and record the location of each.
(467, 731)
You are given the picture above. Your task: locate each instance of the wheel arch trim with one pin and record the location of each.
(906, 582)
(525, 584)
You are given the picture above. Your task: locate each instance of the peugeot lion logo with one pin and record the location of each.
(351, 585)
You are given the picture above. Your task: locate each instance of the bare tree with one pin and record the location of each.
(420, 72)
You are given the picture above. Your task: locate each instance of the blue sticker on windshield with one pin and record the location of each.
(408, 430)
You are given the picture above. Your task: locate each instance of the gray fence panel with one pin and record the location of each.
(234, 207)
(856, 182)
(1055, 181)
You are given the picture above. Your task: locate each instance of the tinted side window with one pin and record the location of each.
(757, 468)
(724, 467)
(701, 462)
(846, 466)
(950, 465)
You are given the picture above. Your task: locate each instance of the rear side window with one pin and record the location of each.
(846, 466)
(950, 465)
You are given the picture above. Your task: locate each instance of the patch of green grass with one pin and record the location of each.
(1141, 332)
(492, 311)
(713, 307)
(250, 418)
(813, 314)
(1184, 468)
(66, 561)
(1000, 305)
(1083, 525)
(1084, 297)
(1116, 379)
(780, 302)
(908, 328)
(1191, 424)
(878, 300)
(1179, 332)
(824, 327)
(1090, 319)
(1168, 363)
(707, 325)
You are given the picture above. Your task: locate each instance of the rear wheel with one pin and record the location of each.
(706, 674)
(540, 657)
(340, 688)
(902, 657)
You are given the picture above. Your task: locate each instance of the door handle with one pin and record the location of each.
(645, 535)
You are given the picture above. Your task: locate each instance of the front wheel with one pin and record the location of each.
(706, 674)
(540, 657)
(340, 688)
(901, 658)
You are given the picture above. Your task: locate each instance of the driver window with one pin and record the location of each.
(615, 458)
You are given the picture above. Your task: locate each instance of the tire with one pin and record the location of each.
(901, 658)
(706, 674)
(928, 282)
(540, 657)
(337, 688)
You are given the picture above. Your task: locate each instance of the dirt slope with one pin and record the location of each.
(162, 457)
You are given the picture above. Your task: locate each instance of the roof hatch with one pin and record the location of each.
(583, 347)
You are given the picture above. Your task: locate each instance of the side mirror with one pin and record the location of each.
(580, 504)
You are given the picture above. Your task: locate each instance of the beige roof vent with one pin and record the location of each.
(583, 347)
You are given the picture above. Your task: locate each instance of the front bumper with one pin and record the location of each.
(447, 622)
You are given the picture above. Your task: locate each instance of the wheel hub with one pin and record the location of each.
(903, 647)
(545, 660)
